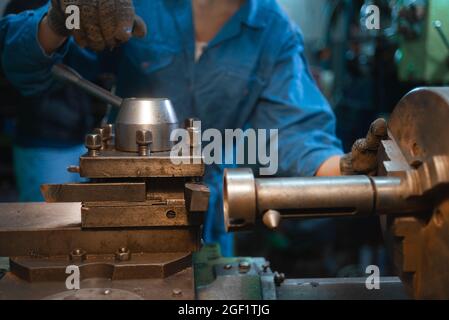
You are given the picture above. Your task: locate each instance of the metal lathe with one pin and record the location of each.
(134, 228)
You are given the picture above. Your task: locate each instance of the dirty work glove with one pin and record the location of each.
(104, 23)
(363, 157)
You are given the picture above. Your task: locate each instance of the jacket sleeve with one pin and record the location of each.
(292, 103)
(24, 62)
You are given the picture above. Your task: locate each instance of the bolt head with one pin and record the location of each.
(100, 131)
(123, 254)
(144, 137)
(107, 130)
(93, 142)
(78, 255)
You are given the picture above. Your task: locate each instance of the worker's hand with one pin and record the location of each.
(103, 23)
(363, 157)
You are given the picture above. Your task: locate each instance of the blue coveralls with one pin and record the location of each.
(251, 75)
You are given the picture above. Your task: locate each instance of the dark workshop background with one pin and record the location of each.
(358, 71)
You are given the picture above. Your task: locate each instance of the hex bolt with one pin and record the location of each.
(279, 278)
(93, 144)
(194, 131)
(104, 137)
(108, 132)
(143, 139)
(123, 254)
(244, 266)
(78, 255)
(177, 292)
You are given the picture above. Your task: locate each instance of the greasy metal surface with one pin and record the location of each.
(140, 266)
(391, 288)
(113, 164)
(39, 216)
(61, 241)
(11, 287)
(128, 215)
(81, 192)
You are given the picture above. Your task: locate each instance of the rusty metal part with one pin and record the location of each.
(123, 254)
(91, 192)
(55, 229)
(112, 164)
(148, 214)
(77, 255)
(420, 244)
(53, 242)
(12, 287)
(137, 266)
(247, 199)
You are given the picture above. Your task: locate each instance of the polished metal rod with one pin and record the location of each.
(247, 199)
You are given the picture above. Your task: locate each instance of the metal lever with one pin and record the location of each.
(439, 27)
(67, 74)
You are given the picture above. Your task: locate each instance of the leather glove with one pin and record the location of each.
(363, 157)
(104, 23)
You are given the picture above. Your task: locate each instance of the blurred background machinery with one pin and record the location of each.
(363, 73)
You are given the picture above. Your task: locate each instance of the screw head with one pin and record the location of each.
(144, 137)
(228, 267)
(78, 255)
(93, 142)
(123, 254)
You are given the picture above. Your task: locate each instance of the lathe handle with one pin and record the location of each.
(67, 74)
